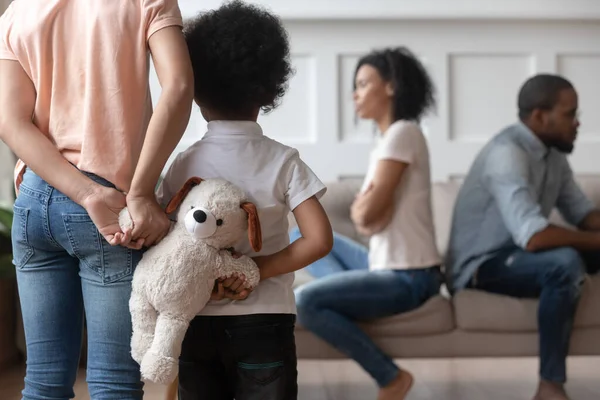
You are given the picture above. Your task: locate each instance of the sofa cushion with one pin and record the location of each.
(487, 312)
(587, 315)
(433, 317)
(480, 311)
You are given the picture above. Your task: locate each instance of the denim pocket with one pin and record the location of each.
(111, 263)
(22, 250)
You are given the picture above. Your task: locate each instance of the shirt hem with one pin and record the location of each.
(245, 311)
(316, 189)
(163, 23)
(8, 56)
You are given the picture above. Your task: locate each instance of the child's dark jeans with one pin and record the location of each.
(245, 357)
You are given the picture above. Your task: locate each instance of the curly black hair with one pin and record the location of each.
(414, 92)
(241, 58)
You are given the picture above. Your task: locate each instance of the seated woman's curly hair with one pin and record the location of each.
(414, 92)
(241, 58)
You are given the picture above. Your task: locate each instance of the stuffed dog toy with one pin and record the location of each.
(174, 279)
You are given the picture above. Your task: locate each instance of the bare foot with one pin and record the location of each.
(398, 388)
(550, 391)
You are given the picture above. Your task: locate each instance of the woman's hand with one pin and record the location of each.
(103, 205)
(374, 207)
(358, 205)
(377, 226)
(150, 222)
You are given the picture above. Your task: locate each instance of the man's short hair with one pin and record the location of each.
(541, 92)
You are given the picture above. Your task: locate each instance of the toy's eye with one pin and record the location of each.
(219, 222)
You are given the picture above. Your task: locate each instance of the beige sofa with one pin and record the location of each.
(469, 324)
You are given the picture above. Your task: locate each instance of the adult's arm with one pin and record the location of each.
(167, 126)
(17, 130)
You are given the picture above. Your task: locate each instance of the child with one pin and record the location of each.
(245, 349)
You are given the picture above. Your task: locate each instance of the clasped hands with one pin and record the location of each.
(151, 224)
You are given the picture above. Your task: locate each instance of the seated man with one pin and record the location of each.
(501, 240)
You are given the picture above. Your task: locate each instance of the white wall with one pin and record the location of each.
(478, 53)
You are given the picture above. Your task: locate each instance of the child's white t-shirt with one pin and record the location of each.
(409, 239)
(275, 179)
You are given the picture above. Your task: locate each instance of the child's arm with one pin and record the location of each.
(315, 243)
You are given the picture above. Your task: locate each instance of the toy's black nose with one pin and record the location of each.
(199, 216)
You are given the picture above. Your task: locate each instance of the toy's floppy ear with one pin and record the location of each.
(178, 198)
(254, 232)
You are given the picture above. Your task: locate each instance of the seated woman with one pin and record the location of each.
(400, 270)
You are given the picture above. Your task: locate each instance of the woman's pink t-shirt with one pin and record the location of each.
(89, 63)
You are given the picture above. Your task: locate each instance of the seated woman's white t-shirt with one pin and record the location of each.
(408, 241)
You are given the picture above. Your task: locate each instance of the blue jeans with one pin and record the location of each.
(331, 305)
(65, 269)
(555, 276)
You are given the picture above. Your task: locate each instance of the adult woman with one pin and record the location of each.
(76, 111)
(400, 271)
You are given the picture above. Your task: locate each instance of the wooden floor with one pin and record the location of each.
(440, 379)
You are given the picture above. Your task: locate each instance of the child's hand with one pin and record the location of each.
(235, 288)
(230, 288)
(234, 283)
(243, 295)
(218, 292)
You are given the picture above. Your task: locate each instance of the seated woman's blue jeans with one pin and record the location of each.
(346, 292)
(65, 270)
